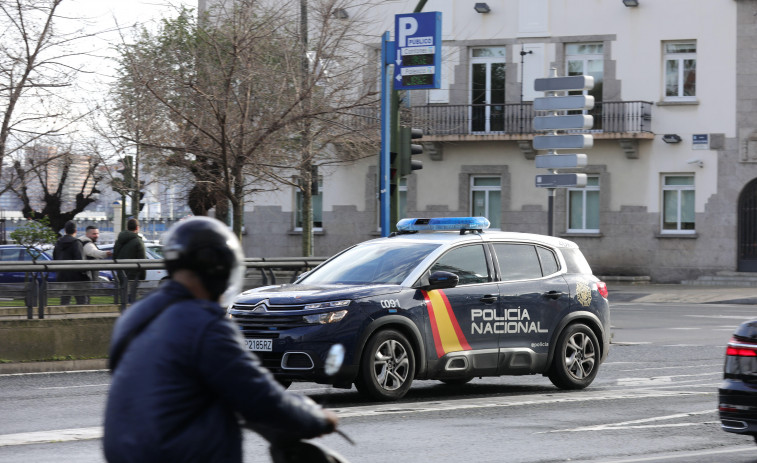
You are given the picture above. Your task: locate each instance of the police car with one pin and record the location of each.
(441, 299)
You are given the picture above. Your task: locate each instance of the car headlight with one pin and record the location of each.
(325, 318)
(327, 305)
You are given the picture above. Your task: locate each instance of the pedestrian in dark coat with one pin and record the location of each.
(70, 248)
(129, 245)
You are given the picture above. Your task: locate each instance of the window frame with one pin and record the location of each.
(588, 188)
(679, 200)
(680, 58)
(296, 210)
(486, 189)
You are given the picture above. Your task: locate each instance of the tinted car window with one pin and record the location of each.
(371, 263)
(467, 262)
(517, 261)
(576, 261)
(548, 260)
(9, 255)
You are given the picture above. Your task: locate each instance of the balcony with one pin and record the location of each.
(615, 120)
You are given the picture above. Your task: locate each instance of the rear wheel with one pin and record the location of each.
(576, 359)
(387, 366)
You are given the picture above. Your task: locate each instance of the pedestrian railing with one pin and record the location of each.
(36, 291)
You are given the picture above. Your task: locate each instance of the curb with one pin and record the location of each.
(53, 366)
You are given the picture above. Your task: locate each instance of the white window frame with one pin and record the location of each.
(680, 58)
(297, 195)
(584, 193)
(499, 56)
(487, 190)
(678, 189)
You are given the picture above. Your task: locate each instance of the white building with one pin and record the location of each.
(672, 207)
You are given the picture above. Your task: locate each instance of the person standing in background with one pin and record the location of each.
(70, 248)
(91, 251)
(129, 245)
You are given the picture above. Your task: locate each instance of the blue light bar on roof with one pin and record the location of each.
(443, 223)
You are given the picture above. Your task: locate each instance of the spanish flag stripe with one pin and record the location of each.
(460, 336)
(434, 329)
(448, 337)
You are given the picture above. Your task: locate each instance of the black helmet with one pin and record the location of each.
(207, 247)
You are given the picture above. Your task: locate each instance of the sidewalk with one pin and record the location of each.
(658, 293)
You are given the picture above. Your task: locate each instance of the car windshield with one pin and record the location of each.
(384, 262)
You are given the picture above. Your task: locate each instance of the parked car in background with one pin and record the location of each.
(16, 252)
(152, 251)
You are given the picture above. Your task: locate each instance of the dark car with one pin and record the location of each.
(15, 252)
(444, 305)
(737, 396)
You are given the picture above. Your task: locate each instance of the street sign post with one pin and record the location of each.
(555, 104)
(418, 39)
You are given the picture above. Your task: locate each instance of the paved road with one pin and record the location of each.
(653, 401)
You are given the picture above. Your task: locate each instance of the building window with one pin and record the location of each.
(317, 208)
(583, 207)
(487, 89)
(678, 204)
(586, 59)
(486, 194)
(680, 70)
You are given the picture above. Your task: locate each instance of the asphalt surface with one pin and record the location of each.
(618, 292)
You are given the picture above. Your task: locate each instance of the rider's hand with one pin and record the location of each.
(332, 419)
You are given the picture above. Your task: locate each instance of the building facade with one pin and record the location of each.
(672, 175)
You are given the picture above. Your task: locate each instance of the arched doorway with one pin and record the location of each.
(747, 226)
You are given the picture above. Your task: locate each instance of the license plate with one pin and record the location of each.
(265, 345)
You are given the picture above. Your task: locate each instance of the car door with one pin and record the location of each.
(454, 313)
(534, 297)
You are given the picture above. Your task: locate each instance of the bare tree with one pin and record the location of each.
(35, 68)
(51, 182)
(238, 106)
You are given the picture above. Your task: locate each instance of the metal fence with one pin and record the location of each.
(36, 291)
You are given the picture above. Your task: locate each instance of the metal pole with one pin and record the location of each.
(387, 51)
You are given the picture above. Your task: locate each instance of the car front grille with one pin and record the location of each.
(266, 321)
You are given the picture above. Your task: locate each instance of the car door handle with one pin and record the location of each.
(488, 299)
(553, 294)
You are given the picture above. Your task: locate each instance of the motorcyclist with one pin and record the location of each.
(182, 377)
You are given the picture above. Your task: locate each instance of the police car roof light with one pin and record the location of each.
(443, 223)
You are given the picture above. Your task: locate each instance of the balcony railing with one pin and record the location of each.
(516, 118)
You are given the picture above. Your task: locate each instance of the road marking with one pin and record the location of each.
(641, 423)
(72, 387)
(656, 380)
(719, 365)
(685, 455)
(67, 435)
(58, 435)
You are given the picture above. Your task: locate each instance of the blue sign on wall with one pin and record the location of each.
(418, 44)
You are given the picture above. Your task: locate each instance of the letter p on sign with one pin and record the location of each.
(408, 27)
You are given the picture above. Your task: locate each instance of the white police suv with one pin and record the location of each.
(440, 299)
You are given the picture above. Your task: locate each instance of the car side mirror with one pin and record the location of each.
(442, 280)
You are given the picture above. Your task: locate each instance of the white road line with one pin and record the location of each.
(677, 367)
(641, 423)
(66, 435)
(73, 387)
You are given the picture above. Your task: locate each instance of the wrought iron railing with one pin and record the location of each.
(516, 118)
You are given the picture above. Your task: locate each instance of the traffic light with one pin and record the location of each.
(141, 204)
(406, 163)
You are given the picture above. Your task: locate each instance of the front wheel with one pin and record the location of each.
(576, 359)
(387, 366)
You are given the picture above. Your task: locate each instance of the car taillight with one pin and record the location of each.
(738, 348)
(602, 288)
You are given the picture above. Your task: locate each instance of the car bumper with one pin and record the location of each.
(737, 405)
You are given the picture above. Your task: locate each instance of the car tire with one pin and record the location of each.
(457, 381)
(285, 383)
(387, 366)
(576, 358)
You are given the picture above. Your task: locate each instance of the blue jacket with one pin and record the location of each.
(179, 385)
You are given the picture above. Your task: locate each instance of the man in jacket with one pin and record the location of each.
(129, 245)
(69, 248)
(182, 377)
(90, 250)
